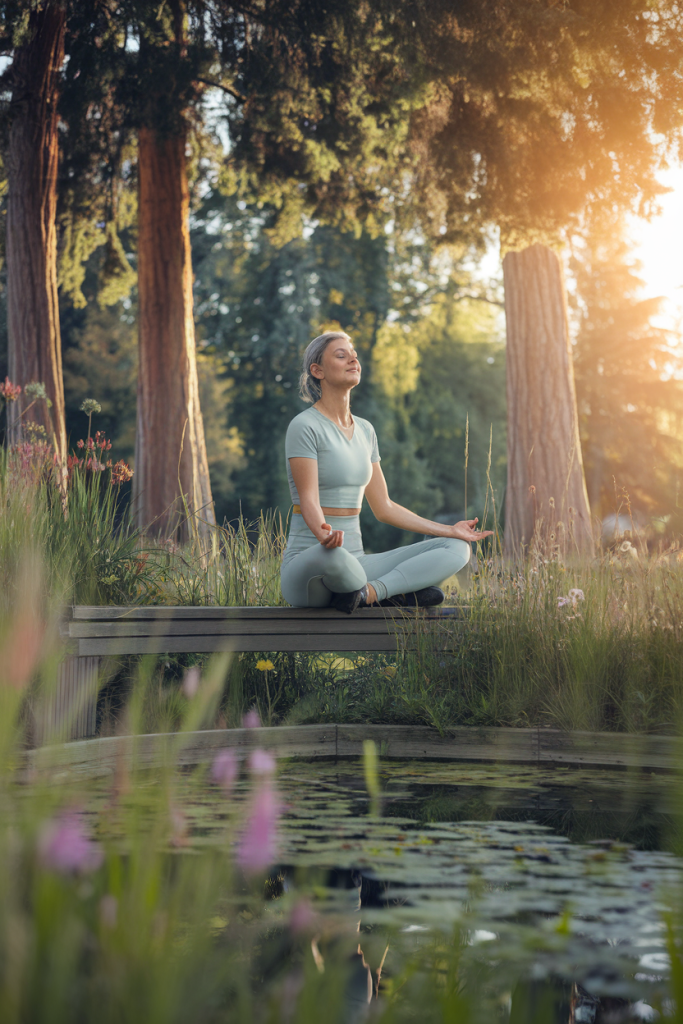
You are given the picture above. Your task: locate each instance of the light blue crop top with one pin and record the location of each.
(344, 467)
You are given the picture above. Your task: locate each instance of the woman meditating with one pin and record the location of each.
(332, 460)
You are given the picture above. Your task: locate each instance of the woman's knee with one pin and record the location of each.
(459, 552)
(343, 573)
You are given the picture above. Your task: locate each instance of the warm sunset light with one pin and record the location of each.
(659, 246)
(341, 512)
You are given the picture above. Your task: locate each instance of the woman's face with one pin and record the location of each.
(339, 366)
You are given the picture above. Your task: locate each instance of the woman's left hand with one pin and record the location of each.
(465, 530)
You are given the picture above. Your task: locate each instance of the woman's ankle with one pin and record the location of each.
(371, 594)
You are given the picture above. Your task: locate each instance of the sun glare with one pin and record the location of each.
(660, 250)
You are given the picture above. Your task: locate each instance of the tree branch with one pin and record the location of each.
(224, 88)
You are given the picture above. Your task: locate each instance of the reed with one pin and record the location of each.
(528, 651)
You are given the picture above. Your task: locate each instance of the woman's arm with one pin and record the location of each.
(305, 473)
(387, 511)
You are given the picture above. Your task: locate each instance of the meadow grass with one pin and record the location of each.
(109, 913)
(125, 922)
(551, 641)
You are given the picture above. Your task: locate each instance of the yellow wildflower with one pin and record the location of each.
(265, 666)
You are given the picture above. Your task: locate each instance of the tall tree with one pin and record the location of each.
(318, 65)
(536, 114)
(34, 339)
(170, 445)
(545, 468)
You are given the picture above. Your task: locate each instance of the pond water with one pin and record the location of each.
(553, 876)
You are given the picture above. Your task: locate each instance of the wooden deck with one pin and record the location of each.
(99, 631)
(95, 632)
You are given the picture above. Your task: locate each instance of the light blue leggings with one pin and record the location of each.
(311, 573)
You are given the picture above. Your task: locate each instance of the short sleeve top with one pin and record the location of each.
(344, 466)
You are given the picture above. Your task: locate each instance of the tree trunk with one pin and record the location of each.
(171, 468)
(34, 340)
(546, 485)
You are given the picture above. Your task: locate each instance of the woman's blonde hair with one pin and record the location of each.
(309, 386)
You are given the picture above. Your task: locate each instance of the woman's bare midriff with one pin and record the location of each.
(341, 511)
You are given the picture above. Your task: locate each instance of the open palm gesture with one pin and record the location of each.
(465, 530)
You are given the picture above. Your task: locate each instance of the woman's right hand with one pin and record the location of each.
(331, 538)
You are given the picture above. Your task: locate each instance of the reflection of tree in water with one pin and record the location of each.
(558, 1002)
(587, 1009)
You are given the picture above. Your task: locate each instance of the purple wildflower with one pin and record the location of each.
(252, 720)
(65, 846)
(261, 763)
(257, 848)
(191, 681)
(225, 769)
(303, 917)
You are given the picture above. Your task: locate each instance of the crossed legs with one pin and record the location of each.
(310, 578)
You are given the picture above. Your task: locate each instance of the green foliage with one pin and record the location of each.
(607, 662)
(83, 536)
(259, 305)
(552, 110)
(461, 382)
(628, 391)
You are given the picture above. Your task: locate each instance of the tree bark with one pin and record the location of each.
(546, 484)
(34, 339)
(171, 467)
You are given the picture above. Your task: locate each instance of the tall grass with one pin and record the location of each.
(526, 650)
(108, 915)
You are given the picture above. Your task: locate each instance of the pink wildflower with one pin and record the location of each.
(257, 848)
(251, 720)
(23, 647)
(64, 846)
(261, 763)
(562, 602)
(191, 681)
(102, 442)
(225, 769)
(9, 391)
(303, 917)
(80, 444)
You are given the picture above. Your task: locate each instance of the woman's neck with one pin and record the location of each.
(336, 405)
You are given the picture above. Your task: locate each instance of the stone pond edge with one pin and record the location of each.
(102, 756)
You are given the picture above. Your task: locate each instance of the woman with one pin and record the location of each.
(332, 460)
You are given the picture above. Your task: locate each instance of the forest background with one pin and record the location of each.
(429, 328)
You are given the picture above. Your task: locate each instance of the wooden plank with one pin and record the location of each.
(239, 644)
(102, 757)
(142, 613)
(609, 748)
(68, 709)
(250, 627)
(489, 744)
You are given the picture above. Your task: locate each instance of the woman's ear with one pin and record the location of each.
(317, 371)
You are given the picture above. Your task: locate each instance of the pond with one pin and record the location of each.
(553, 877)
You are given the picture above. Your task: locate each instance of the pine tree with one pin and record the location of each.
(319, 65)
(538, 114)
